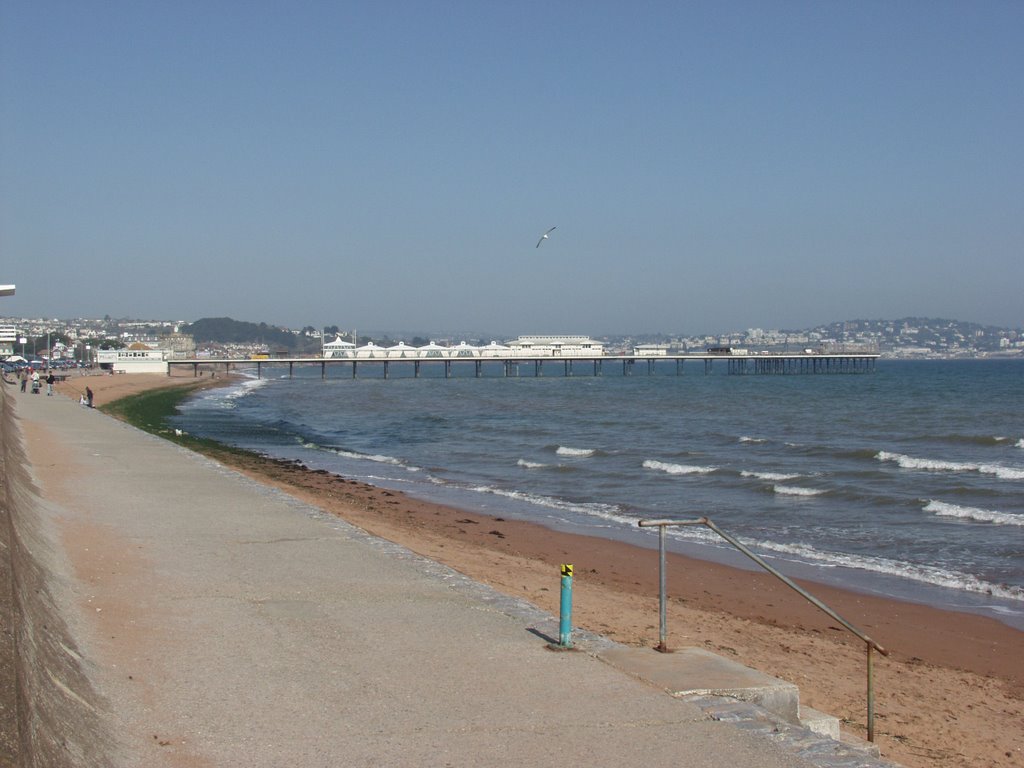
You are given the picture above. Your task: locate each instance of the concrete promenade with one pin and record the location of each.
(210, 621)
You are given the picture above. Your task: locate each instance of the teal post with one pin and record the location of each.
(565, 624)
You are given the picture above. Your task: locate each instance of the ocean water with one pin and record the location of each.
(906, 482)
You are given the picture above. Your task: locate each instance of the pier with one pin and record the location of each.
(508, 366)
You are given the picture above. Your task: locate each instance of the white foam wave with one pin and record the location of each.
(792, 490)
(922, 573)
(773, 476)
(745, 439)
(588, 508)
(678, 469)
(938, 465)
(579, 452)
(530, 464)
(1020, 443)
(943, 509)
(379, 458)
(224, 398)
(244, 388)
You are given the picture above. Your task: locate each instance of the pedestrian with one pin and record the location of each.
(50, 378)
(24, 378)
(88, 396)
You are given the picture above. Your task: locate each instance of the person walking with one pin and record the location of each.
(23, 375)
(50, 378)
(88, 396)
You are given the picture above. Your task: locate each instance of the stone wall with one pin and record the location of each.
(50, 713)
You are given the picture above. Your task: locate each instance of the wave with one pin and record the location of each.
(578, 452)
(347, 454)
(530, 464)
(963, 439)
(774, 476)
(944, 509)
(586, 508)
(745, 439)
(678, 469)
(927, 574)
(225, 397)
(1019, 443)
(792, 490)
(938, 465)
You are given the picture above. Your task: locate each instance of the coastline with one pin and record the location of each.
(951, 694)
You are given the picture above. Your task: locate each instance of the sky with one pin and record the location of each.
(708, 166)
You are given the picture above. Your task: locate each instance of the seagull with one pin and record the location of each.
(545, 236)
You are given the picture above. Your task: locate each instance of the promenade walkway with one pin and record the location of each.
(212, 621)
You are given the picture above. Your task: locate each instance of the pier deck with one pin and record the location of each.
(511, 366)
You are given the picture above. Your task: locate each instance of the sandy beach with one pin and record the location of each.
(951, 693)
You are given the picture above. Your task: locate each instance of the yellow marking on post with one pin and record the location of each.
(566, 569)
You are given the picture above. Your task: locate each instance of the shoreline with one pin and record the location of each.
(951, 694)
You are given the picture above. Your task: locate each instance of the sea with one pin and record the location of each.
(906, 482)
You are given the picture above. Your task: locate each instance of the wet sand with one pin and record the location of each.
(951, 693)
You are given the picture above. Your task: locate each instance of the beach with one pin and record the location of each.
(950, 694)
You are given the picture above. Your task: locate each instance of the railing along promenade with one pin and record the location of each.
(870, 645)
(510, 364)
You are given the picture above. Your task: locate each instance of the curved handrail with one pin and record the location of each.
(870, 643)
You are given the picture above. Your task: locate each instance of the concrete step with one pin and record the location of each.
(819, 722)
(696, 672)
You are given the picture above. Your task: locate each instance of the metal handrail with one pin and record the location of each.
(663, 647)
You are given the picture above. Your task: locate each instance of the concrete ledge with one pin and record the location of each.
(819, 722)
(696, 672)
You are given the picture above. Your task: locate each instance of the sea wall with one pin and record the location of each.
(57, 716)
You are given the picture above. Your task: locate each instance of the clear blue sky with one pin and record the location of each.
(390, 165)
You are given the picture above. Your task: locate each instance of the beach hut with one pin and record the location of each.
(402, 350)
(433, 350)
(462, 349)
(371, 351)
(339, 348)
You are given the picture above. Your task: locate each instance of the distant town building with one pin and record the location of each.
(135, 359)
(8, 338)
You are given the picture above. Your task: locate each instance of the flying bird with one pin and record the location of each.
(545, 236)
